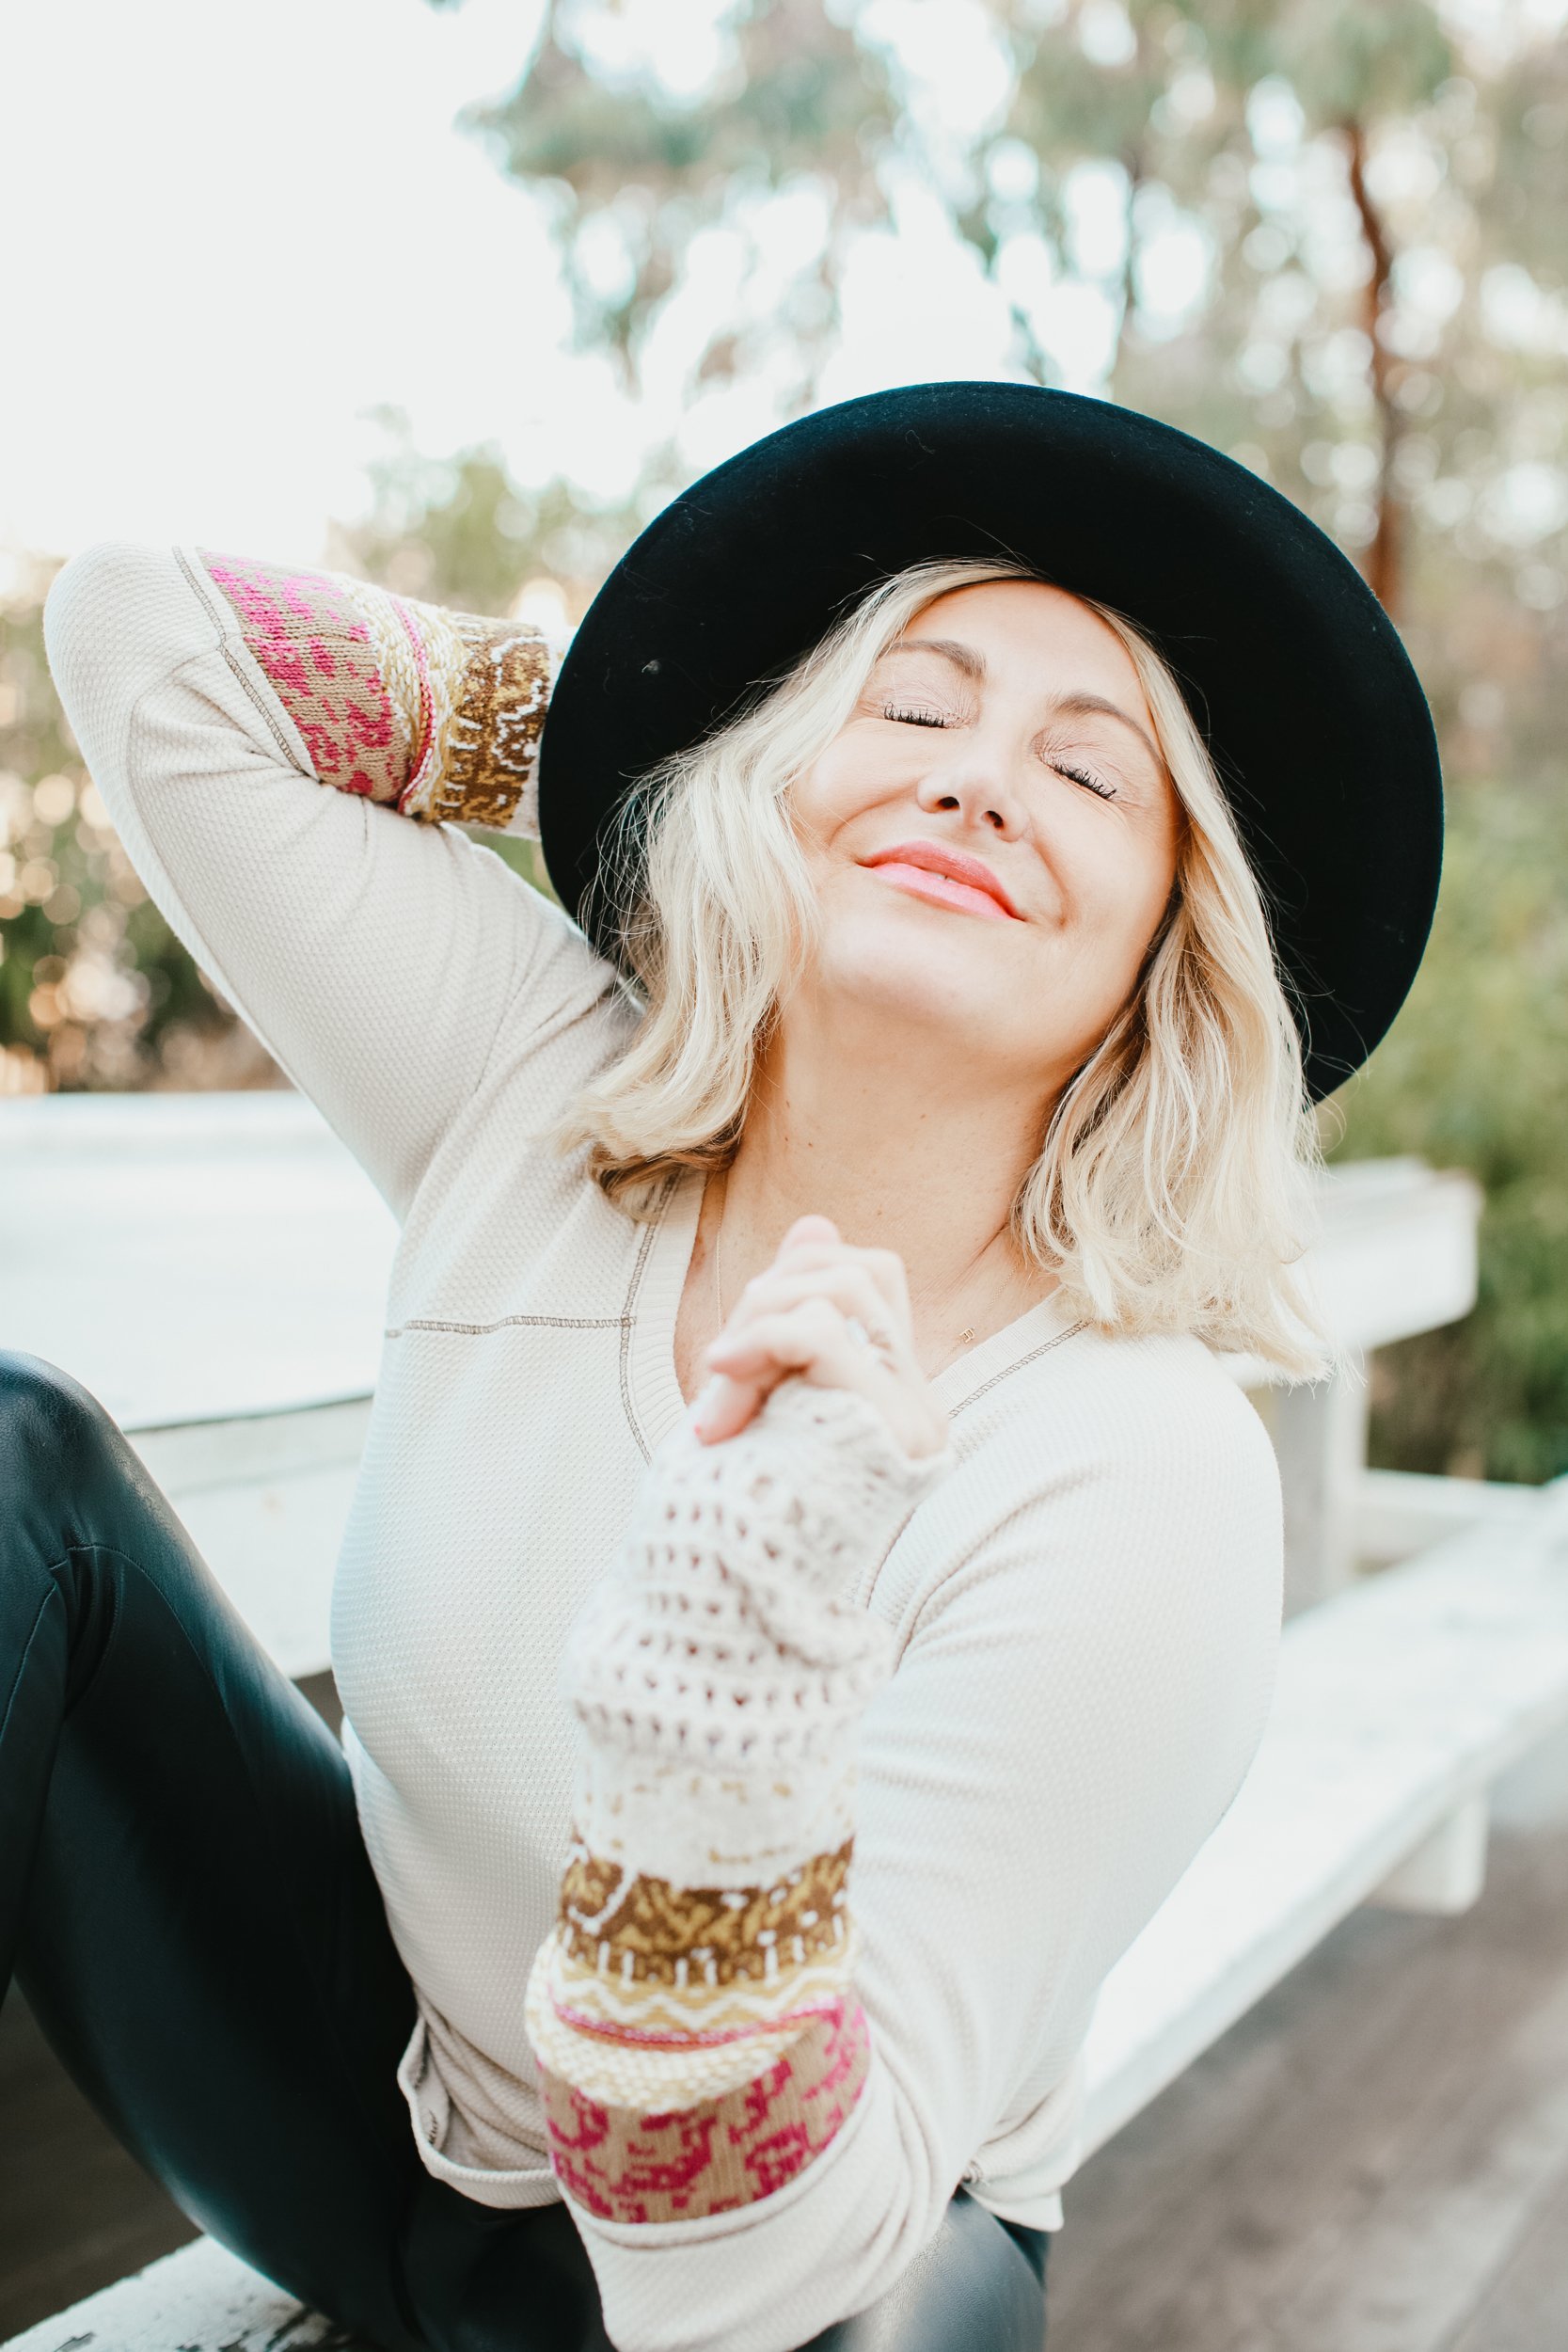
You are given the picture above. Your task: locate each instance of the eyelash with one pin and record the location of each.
(1079, 775)
(912, 718)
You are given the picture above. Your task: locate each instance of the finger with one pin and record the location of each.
(885, 1266)
(809, 1229)
(726, 1404)
(812, 1338)
(847, 1285)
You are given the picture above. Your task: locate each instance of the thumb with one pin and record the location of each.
(810, 1228)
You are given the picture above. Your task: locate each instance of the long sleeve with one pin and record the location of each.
(377, 960)
(694, 2012)
(1071, 1713)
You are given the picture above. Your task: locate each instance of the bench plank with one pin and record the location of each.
(1396, 1703)
(200, 2300)
(1328, 2167)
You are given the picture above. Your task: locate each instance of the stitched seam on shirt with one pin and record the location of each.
(628, 1319)
(1033, 1357)
(502, 1323)
(232, 658)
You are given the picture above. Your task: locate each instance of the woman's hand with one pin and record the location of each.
(796, 1319)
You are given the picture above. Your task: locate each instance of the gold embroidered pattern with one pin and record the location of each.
(640, 1930)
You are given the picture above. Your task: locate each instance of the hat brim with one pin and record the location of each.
(1297, 678)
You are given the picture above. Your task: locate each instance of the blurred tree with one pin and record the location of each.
(95, 990)
(461, 531)
(1321, 235)
(634, 169)
(1206, 111)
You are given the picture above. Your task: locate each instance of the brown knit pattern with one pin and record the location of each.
(723, 1933)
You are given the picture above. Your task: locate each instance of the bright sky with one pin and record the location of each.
(235, 231)
(232, 231)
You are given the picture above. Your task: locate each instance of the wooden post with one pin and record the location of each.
(1447, 1872)
(1321, 1439)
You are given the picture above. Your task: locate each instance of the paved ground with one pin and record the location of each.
(1375, 2160)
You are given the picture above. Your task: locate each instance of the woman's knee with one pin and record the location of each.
(51, 1426)
(61, 1464)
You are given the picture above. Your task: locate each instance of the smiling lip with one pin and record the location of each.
(947, 877)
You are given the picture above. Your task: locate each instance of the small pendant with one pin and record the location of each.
(966, 1339)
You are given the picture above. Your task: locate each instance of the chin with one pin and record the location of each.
(909, 969)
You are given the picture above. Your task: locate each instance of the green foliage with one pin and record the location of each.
(1474, 1074)
(633, 170)
(460, 532)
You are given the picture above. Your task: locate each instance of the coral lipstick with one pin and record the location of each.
(944, 878)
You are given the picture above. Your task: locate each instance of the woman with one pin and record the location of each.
(798, 1440)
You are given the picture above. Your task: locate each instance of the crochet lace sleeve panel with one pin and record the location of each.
(435, 713)
(693, 2011)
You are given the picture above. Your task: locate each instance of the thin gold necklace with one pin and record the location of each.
(966, 1337)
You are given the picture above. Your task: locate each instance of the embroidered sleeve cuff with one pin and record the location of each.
(434, 713)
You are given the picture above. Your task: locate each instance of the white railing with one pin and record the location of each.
(213, 1267)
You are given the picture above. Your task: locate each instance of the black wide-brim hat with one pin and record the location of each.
(1298, 680)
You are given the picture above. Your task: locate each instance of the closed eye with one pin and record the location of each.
(916, 718)
(1092, 783)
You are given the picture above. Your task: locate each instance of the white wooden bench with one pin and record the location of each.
(1401, 1699)
(1399, 1703)
(213, 1267)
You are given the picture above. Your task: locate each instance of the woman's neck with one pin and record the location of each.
(901, 1157)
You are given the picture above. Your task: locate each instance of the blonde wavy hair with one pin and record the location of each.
(1173, 1190)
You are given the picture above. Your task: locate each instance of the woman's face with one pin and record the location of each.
(1007, 727)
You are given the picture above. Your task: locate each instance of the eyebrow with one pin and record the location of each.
(952, 649)
(965, 657)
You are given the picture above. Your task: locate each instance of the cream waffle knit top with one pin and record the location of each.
(757, 1822)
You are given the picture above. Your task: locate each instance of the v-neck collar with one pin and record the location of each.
(654, 1396)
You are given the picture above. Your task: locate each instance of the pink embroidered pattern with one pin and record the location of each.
(319, 656)
(435, 713)
(624, 2165)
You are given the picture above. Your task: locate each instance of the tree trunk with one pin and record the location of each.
(1385, 567)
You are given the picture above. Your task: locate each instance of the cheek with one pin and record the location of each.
(815, 802)
(1124, 899)
(852, 775)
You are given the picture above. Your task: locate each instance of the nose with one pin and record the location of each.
(977, 788)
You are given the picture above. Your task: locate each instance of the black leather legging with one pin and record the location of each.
(189, 1908)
